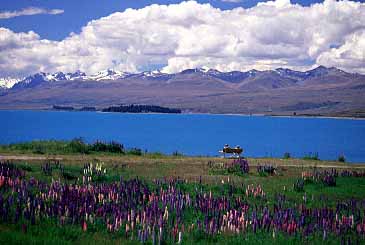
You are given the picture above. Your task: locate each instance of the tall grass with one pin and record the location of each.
(77, 145)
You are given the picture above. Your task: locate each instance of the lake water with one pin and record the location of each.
(194, 134)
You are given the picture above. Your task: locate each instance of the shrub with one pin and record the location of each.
(112, 147)
(286, 155)
(311, 156)
(235, 169)
(98, 146)
(38, 150)
(78, 146)
(177, 154)
(239, 165)
(135, 151)
(341, 158)
(264, 170)
(115, 147)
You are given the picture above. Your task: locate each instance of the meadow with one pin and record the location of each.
(59, 195)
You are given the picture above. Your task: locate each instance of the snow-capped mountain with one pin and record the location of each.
(35, 79)
(78, 75)
(8, 82)
(282, 75)
(42, 77)
(109, 74)
(196, 70)
(232, 76)
(155, 73)
(319, 90)
(291, 73)
(31, 81)
(60, 76)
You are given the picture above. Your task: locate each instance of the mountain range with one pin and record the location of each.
(325, 91)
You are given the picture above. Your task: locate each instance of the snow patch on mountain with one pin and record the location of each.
(109, 74)
(8, 82)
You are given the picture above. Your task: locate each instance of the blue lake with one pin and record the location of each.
(194, 134)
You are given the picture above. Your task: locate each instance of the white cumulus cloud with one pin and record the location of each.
(187, 35)
(350, 55)
(29, 11)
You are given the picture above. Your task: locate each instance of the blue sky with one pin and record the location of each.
(79, 12)
(138, 35)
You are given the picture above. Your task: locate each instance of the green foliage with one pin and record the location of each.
(68, 176)
(36, 147)
(299, 185)
(177, 154)
(317, 196)
(286, 155)
(311, 156)
(100, 178)
(341, 158)
(135, 152)
(112, 147)
(38, 150)
(155, 155)
(25, 167)
(78, 146)
(235, 169)
(141, 109)
(263, 174)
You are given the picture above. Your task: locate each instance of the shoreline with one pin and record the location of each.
(153, 154)
(201, 113)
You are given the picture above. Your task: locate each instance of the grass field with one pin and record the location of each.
(195, 175)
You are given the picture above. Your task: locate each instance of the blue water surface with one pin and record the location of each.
(194, 134)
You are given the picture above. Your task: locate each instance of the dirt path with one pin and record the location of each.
(28, 158)
(199, 161)
(325, 166)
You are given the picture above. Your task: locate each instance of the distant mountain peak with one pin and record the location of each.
(321, 67)
(57, 76)
(76, 75)
(232, 76)
(322, 70)
(109, 74)
(8, 82)
(153, 73)
(204, 69)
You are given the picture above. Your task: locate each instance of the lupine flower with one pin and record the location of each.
(134, 206)
(84, 226)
